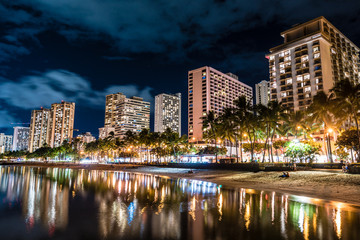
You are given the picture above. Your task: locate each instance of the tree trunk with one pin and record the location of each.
(237, 150)
(241, 156)
(358, 137)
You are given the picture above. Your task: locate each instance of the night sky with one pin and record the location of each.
(82, 50)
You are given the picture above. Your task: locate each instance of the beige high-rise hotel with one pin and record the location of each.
(313, 56)
(51, 126)
(61, 123)
(124, 114)
(211, 90)
(39, 129)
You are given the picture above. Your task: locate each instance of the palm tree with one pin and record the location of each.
(346, 96)
(227, 126)
(242, 109)
(321, 111)
(295, 123)
(211, 129)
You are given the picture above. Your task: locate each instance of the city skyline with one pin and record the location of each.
(52, 53)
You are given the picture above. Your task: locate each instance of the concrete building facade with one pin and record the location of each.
(312, 58)
(211, 90)
(5, 143)
(262, 92)
(132, 114)
(21, 139)
(86, 137)
(51, 126)
(106, 132)
(123, 114)
(39, 129)
(168, 112)
(111, 113)
(61, 123)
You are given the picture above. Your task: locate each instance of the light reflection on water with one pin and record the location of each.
(71, 204)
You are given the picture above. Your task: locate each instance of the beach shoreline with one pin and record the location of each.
(329, 185)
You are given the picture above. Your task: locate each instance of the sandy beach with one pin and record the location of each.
(323, 184)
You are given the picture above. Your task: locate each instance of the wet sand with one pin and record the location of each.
(330, 185)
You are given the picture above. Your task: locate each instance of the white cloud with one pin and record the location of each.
(43, 89)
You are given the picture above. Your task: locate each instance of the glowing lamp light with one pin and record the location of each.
(330, 130)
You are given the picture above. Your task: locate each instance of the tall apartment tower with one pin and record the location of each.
(211, 90)
(168, 112)
(124, 114)
(21, 139)
(262, 92)
(61, 123)
(112, 101)
(313, 56)
(5, 143)
(39, 129)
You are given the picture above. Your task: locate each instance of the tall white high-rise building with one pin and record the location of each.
(133, 114)
(262, 92)
(5, 143)
(39, 129)
(168, 112)
(52, 126)
(61, 123)
(124, 114)
(21, 139)
(111, 112)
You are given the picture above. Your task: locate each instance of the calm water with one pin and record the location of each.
(55, 203)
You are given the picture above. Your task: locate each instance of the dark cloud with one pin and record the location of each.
(43, 89)
(117, 58)
(127, 46)
(6, 118)
(175, 27)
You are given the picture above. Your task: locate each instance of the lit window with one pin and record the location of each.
(299, 78)
(307, 77)
(316, 55)
(304, 58)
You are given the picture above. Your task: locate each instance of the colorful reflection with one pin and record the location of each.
(65, 203)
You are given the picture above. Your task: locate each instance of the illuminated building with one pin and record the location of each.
(168, 112)
(39, 129)
(211, 90)
(110, 108)
(124, 114)
(61, 125)
(86, 137)
(5, 143)
(106, 132)
(21, 139)
(262, 92)
(313, 56)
